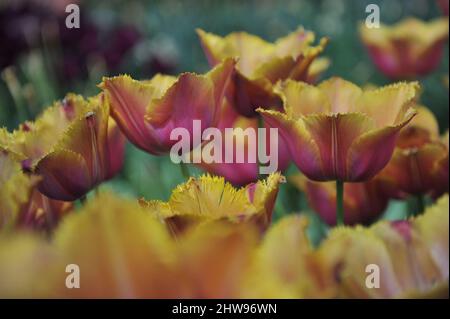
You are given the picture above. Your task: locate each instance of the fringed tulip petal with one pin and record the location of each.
(390, 105)
(304, 151)
(342, 95)
(15, 189)
(262, 64)
(335, 132)
(209, 198)
(371, 152)
(215, 259)
(412, 256)
(65, 175)
(90, 151)
(147, 111)
(129, 100)
(121, 252)
(334, 137)
(28, 263)
(419, 164)
(294, 271)
(408, 49)
(299, 99)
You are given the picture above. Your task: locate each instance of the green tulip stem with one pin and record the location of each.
(184, 170)
(339, 203)
(420, 204)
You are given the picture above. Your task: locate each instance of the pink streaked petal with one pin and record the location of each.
(251, 94)
(65, 176)
(128, 99)
(304, 151)
(371, 152)
(116, 149)
(334, 134)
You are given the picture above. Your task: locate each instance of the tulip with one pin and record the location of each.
(42, 213)
(214, 260)
(246, 171)
(147, 111)
(27, 264)
(409, 257)
(419, 165)
(209, 198)
(73, 146)
(21, 204)
(55, 132)
(443, 4)
(336, 131)
(261, 64)
(122, 252)
(363, 202)
(408, 49)
(90, 151)
(15, 189)
(286, 265)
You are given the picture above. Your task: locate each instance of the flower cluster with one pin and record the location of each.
(215, 237)
(124, 251)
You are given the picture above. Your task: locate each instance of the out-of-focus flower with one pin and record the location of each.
(363, 202)
(411, 255)
(408, 49)
(121, 251)
(90, 151)
(27, 262)
(244, 168)
(420, 161)
(210, 198)
(73, 146)
(15, 189)
(287, 266)
(41, 212)
(336, 131)
(147, 111)
(214, 259)
(443, 4)
(261, 64)
(21, 204)
(26, 25)
(317, 67)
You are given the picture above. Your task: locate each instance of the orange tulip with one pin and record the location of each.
(210, 198)
(419, 164)
(147, 111)
(73, 146)
(27, 264)
(21, 204)
(261, 64)
(336, 131)
(286, 265)
(408, 49)
(411, 257)
(90, 152)
(122, 252)
(15, 189)
(42, 213)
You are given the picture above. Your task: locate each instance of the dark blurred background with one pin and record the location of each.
(41, 60)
